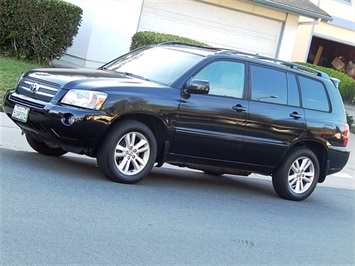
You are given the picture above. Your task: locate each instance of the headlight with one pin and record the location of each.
(84, 98)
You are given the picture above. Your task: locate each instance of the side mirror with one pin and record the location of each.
(198, 86)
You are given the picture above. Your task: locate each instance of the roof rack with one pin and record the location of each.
(255, 56)
(285, 63)
(176, 43)
(189, 44)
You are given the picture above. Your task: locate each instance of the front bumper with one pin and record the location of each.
(49, 123)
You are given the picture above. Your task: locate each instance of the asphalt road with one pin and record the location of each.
(63, 211)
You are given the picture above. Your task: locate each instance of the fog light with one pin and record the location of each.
(68, 119)
(71, 120)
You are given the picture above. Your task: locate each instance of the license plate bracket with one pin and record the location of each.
(20, 113)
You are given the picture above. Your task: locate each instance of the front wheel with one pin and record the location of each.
(128, 152)
(298, 175)
(43, 147)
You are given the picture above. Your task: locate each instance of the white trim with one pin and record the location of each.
(329, 38)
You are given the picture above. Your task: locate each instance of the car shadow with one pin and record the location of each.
(72, 166)
(185, 178)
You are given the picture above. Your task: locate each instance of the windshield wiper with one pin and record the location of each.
(128, 74)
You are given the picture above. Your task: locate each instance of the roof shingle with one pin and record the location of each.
(301, 7)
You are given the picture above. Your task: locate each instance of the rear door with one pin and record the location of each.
(275, 116)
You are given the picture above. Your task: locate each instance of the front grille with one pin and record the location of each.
(37, 89)
(26, 102)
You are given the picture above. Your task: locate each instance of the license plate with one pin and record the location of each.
(20, 113)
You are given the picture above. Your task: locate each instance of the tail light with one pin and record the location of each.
(346, 134)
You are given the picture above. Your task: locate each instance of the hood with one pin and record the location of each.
(84, 78)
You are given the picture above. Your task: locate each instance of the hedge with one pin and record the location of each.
(148, 37)
(37, 30)
(346, 86)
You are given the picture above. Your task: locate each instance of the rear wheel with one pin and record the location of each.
(298, 176)
(43, 147)
(128, 153)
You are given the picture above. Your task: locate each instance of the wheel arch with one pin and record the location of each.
(159, 128)
(320, 151)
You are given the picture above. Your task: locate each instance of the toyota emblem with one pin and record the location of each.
(34, 87)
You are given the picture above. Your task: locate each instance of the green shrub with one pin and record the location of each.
(148, 37)
(37, 30)
(347, 84)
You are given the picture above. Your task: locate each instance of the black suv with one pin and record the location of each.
(217, 110)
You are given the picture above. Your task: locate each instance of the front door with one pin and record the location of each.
(212, 125)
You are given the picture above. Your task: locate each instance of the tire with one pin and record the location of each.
(43, 148)
(298, 175)
(128, 152)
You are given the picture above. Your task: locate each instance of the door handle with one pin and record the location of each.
(239, 108)
(296, 115)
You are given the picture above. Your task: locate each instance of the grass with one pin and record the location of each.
(10, 71)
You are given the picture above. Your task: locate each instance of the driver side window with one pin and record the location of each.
(226, 78)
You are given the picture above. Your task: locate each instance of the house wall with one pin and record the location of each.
(339, 9)
(288, 38)
(341, 29)
(105, 33)
(303, 39)
(288, 34)
(335, 33)
(108, 26)
(213, 24)
(249, 8)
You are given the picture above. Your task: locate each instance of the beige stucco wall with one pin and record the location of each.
(288, 39)
(302, 40)
(250, 8)
(323, 29)
(337, 9)
(335, 33)
(91, 46)
(290, 21)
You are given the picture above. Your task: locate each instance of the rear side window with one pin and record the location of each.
(314, 95)
(269, 85)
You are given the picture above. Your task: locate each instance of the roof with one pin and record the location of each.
(206, 51)
(300, 7)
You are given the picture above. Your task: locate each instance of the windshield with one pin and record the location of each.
(158, 64)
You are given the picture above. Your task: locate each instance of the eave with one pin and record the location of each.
(299, 7)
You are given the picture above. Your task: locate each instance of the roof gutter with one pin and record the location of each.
(314, 22)
(291, 9)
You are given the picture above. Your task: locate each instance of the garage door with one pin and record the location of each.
(214, 25)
